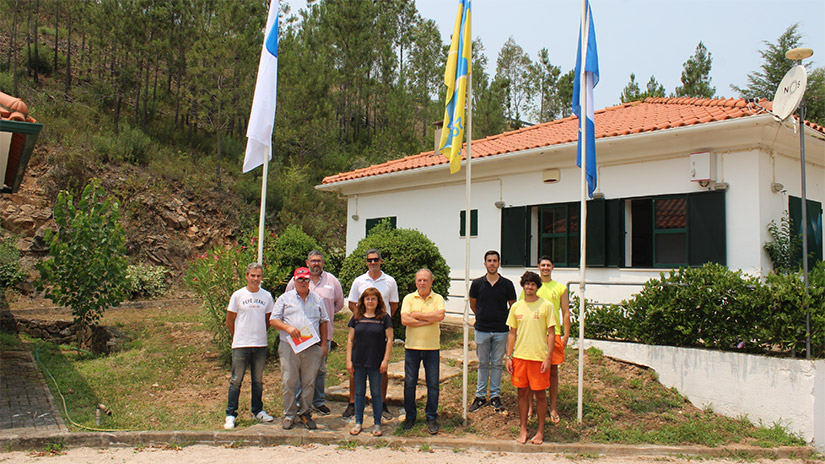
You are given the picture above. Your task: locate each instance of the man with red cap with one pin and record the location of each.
(300, 315)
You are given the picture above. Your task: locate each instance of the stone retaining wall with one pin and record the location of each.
(101, 339)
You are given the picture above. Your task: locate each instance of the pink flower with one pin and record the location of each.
(216, 258)
(194, 279)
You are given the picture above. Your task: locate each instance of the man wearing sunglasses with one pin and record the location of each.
(325, 285)
(385, 284)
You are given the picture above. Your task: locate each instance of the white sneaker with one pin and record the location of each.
(230, 423)
(264, 417)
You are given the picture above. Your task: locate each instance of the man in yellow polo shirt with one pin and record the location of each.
(529, 352)
(421, 312)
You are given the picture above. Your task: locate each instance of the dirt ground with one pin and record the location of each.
(203, 454)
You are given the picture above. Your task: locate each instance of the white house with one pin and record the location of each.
(681, 182)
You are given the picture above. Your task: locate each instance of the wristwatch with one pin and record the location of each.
(509, 356)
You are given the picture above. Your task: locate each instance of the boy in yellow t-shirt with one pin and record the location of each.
(530, 346)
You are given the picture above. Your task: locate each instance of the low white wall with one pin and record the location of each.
(790, 392)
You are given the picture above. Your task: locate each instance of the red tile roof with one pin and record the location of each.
(13, 109)
(630, 118)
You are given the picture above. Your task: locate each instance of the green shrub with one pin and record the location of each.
(10, 271)
(784, 246)
(404, 252)
(285, 253)
(710, 306)
(146, 281)
(130, 145)
(784, 325)
(6, 82)
(87, 268)
(714, 307)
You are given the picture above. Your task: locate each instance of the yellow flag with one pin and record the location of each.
(455, 78)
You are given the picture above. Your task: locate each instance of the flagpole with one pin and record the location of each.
(583, 216)
(263, 212)
(467, 228)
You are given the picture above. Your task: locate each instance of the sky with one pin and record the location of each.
(645, 37)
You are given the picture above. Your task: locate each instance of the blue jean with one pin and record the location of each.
(412, 363)
(319, 398)
(255, 357)
(360, 375)
(490, 347)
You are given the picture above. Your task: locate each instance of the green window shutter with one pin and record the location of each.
(370, 223)
(596, 233)
(515, 238)
(814, 228)
(614, 233)
(473, 223)
(706, 228)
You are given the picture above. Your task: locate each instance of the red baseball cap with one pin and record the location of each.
(302, 272)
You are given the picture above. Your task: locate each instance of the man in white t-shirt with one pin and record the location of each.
(247, 317)
(385, 285)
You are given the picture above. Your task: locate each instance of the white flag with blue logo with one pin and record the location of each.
(591, 68)
(262, 116)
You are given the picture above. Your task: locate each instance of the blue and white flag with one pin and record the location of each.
(591, 67)
(262, 115)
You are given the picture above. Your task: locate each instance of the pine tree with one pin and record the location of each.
(763, 83)
(696, 75)
(631, 91)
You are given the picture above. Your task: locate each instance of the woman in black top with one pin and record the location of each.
(369, 344)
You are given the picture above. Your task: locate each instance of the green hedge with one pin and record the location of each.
(715, 307)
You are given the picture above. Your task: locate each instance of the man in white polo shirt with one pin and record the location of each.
(386, 285)
(246, 318)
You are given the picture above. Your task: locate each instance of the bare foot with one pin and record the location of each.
(522, 437)
(537, 440)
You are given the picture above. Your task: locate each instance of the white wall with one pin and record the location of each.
(629, 167)
(790, 392)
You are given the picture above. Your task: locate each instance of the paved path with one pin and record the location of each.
(26, 404)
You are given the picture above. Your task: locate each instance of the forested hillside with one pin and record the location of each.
(157, 94)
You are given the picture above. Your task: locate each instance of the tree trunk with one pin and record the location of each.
(218, 170)
(29, 40)
(143, 115)
(36, 25)
(137, 93)
(56, 32)
(13, 56)
(68, 55)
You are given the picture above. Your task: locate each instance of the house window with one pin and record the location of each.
(670, 231)
(559, 229)
(814, 228)
(473, 223)
(662, 231)
(375, 221)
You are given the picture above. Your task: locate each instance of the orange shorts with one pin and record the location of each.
(527, 374)
(558, 352)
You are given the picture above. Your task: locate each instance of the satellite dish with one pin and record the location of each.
(790, 92)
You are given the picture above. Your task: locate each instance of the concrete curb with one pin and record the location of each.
(267, 437)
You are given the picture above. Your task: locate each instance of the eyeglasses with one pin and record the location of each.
(302, 279)
(373, 260)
